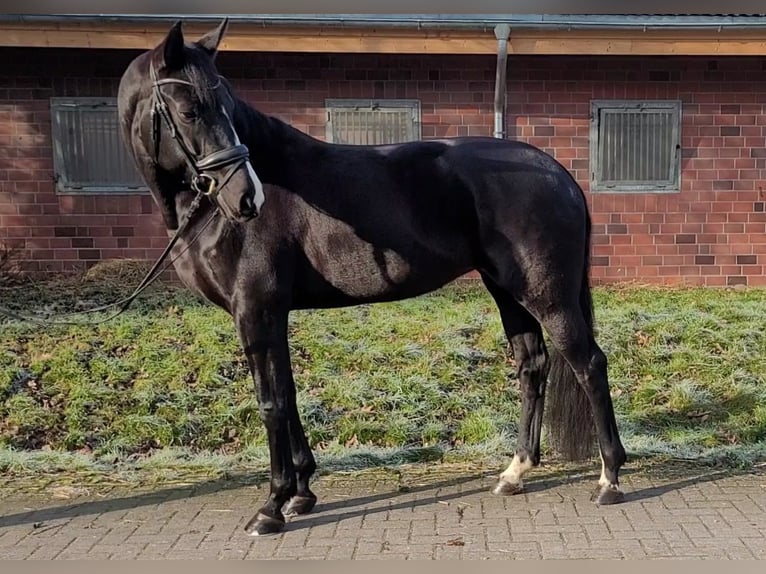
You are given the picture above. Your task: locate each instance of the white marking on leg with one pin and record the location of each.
(260, 197)
(603, 481)
(516, 470)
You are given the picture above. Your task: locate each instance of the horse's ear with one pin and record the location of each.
(173, 47)
(210, 41)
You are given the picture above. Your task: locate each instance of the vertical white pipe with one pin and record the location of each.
(502, 33)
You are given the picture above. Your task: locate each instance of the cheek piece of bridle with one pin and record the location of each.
(202, 181)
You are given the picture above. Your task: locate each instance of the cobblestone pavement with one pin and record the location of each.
(438, 514)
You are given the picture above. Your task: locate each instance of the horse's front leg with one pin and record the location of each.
(263, 332)
(303, 460)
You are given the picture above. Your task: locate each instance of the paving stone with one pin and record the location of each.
(703, 517)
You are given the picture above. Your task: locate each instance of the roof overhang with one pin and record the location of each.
(406, 33)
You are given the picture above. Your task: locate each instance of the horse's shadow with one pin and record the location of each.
(358, 506)
(537, 484)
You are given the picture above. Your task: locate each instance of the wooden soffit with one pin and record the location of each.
(258, 38)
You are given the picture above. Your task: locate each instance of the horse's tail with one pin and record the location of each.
(569, 419)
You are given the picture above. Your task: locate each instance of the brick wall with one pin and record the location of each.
(62, 232)
(713, 232)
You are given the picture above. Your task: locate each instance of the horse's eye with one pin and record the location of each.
(189, 115)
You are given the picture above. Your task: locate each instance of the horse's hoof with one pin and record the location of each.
(505, 488)
(261, 524)
(609, 494)
(300, 505)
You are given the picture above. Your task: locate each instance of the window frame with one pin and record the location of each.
(62, 173)
(413, 105)
(673, 185)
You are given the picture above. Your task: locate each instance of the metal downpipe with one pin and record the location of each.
(502, 33)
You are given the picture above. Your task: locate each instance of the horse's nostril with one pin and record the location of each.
(247, 206)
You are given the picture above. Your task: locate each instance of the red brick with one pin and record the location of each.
(94, 254)
(752, 270)
(685, 238)
(669, 270)
(118, 231)
(690, 270)
(673, 260)
(82, 242)
(746, 259)
(42, 254)
(62, 254)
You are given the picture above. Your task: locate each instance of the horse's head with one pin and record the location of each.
(176, 116)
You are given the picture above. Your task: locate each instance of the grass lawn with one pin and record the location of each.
(429, 378)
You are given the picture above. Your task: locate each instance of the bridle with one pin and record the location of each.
(202, 181)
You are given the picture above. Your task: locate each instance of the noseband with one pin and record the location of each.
(202, 182)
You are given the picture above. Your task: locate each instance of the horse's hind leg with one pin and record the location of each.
(526, 338)
(573, 338)
(303, 460)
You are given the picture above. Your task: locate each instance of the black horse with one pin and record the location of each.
(338, 225)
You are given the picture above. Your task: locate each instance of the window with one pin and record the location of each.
(88, 153)
(372, 121)
(635, 145)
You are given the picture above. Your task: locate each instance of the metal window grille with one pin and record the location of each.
(635, 145)
(372, 122)
(88, 152)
